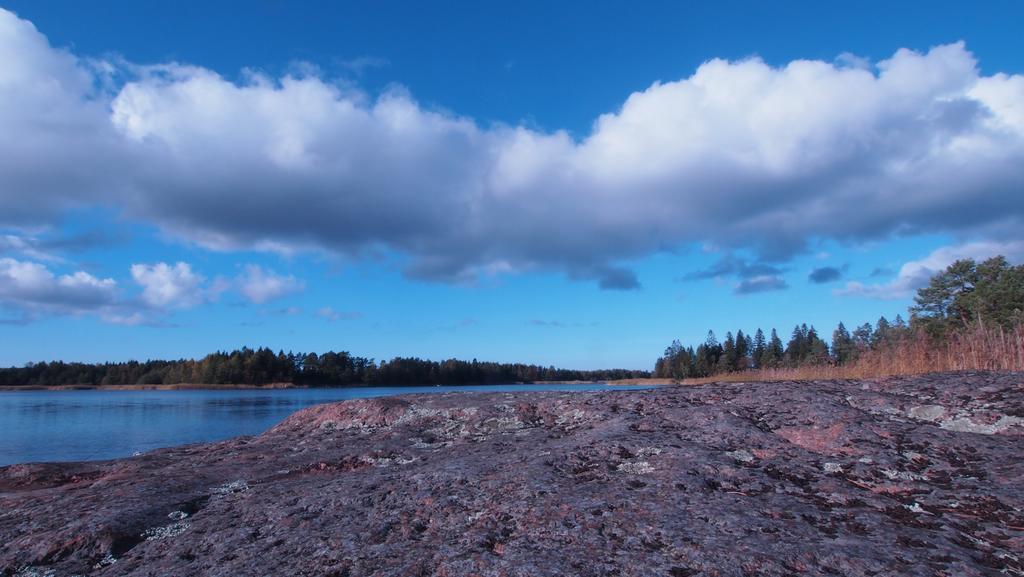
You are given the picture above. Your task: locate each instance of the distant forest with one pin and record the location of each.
(966, 308)
(804, 347)
(970, 316)
(263, 366)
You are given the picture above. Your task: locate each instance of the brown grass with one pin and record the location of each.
(978, 347)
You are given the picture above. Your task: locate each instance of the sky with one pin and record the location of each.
(562, 183)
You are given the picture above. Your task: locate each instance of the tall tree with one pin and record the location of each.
(844, 351)
(862, 336)
(817, 349)
(967, 292)
(758, 349)
(775, 350)
(727, 363)
(742, 352)
(882, 334)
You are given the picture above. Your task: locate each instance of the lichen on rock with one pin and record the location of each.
(812, 478)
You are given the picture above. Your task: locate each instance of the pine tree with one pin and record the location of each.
(796, 347)
(881, 334)
(862, 336)
(843, 349)
(702, 362)
(758, 349)
(713, 350)
(817, 349)
(742, 352)
(775, 350)
(727, 363)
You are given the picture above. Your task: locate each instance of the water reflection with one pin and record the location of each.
(83, 425)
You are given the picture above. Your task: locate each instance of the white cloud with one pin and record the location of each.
(737, 155)
(25, 246)
(167, 286)
(916, 273)
(33, 288)
(259, 285)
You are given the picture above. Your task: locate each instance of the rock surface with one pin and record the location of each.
(914, 476)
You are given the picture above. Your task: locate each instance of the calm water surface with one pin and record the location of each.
(83, 425)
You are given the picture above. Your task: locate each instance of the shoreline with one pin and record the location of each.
(540, 481)
(278, 386)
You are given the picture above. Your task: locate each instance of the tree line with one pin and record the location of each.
(965, 294)
(262, 366)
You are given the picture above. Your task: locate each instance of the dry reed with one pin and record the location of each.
(976, 347)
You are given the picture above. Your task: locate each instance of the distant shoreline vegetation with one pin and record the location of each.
(263, 367)
(969, 317)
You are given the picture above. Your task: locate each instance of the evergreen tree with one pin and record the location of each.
(713, 350)
(844, 351)
(775, 350)
(758, 349)
(703, 364)
(817, 349)
(796, 347)
(882, 332)
(967, 292)
(742, 352)
(659, 369)
(862, 336)
(727, 363)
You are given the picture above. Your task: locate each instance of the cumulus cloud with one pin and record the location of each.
(916, 273)
(32, 288)
(166, 286)
(740, 154)
(260, 285)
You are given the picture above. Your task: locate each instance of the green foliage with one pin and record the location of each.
(991, 292)
(758, 349)
(844, 349)
(262, 366)
(966, 293)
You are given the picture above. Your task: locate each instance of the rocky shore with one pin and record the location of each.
(912, 476)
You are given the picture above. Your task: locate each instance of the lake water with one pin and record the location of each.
(84, 425)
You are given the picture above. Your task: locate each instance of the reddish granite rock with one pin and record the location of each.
(916, 476)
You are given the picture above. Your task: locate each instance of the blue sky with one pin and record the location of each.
(562, 183)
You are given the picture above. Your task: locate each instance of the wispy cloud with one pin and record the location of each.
(758, 284)
(361, 64)
(733, 265)
(560, 324)
(329, 314)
